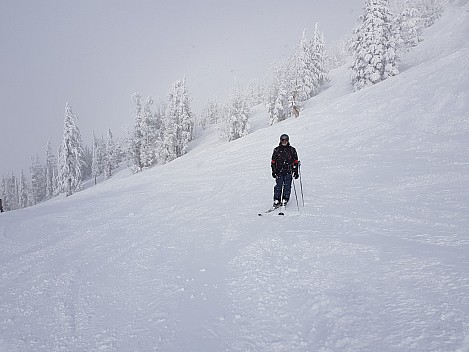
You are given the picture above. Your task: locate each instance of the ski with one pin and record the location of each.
(269, 211)
(280, 207)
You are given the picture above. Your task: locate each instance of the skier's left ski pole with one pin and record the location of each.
(301, 184)
(294, 188)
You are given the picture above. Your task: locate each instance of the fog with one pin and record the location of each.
(95, 54)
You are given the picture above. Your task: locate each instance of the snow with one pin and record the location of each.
(176, 259)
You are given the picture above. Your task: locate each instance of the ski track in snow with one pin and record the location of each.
(176, 259)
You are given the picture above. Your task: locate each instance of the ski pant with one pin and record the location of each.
(283, 183)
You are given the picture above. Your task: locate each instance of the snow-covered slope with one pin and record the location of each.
(176, 258)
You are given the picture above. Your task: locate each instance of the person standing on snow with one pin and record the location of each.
(284, 167)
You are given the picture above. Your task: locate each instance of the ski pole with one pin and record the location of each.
(294, 188)
(301, 185)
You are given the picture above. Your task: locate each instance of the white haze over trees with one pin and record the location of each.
(161, 132)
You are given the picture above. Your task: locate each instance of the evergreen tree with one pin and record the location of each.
(70, 156)
(110, 160)
(280, 95)
(87, 163)
(210, 114)
(374, 45)
(96, 159)
(7, 193)
(24, 193)
(50, 172)
(11, 193)
(318, 61)
(136, 138)
(304, 77)
(255, 92)
(38, 180)
(150, 132)
(410, 26)
(428, 10)
(178, 123)
(338, 54)
(238, 117)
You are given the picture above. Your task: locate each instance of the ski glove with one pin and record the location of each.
(295, 172)
(274, 175)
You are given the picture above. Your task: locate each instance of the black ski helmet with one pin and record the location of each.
(284, 137)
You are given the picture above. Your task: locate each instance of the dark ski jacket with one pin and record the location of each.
(284, 160)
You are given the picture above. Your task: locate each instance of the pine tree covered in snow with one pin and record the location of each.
(150, 132)
(210, 114)
(318, 61)
(429, 10)
(50, 172)
(237, 124)
(338, 54)
(110, 158)
(87, 162)
(298, 79)
(255, 92)
(70, 156)
(24, 192)
(410, 26)
(10, 193)
(38, 180)
(96, 162)
(303, 79)
(145, 142)
(136, 138)
(374, 46)
(178, 123)
(278, 105)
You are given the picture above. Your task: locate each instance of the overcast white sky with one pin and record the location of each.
(96, 53)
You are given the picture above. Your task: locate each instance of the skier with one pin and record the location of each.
(284, 166)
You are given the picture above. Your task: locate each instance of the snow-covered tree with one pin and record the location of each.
(338, 54)
(374, 46)
(136, 138)
(318, 60)
(150, 132)
(24, 192)
(429, 10)
(254, 92)
(309, 66)
(304, 80)
(178, 123)
(280, 94)
(110, 158)
(97, 158)
(38, 180)
(10, 193)
(410, 26)
(87, 162)
(298, 79)
(237, 124)
(50, 172)
(146, 138)
(70, 156)
(211, 114)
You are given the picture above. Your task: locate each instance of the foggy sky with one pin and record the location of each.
(96, 53)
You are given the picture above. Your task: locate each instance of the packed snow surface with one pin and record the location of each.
(176, 258)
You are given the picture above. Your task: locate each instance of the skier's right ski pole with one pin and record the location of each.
(301, 184)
